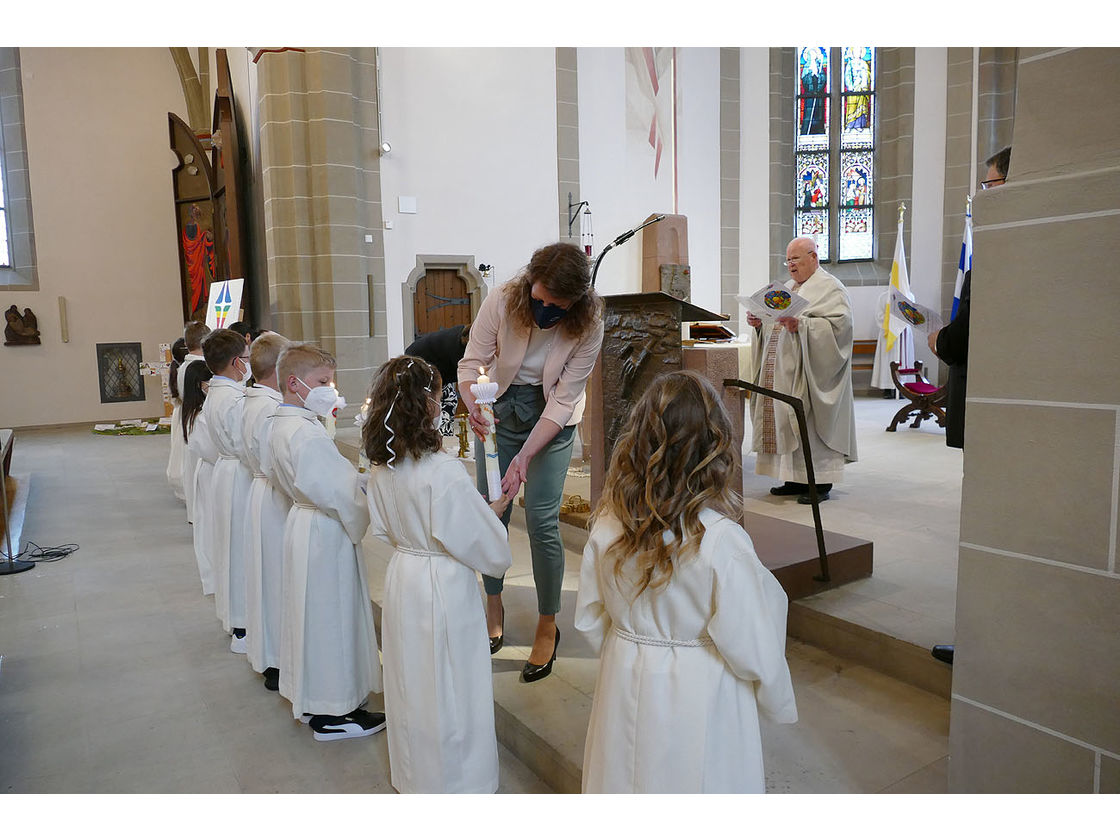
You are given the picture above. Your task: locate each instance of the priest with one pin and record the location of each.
(810, 357)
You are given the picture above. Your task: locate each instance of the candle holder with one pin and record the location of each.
(485, 394)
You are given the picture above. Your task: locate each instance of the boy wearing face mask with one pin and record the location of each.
(268, 511)
(227, 356)
(328, 651)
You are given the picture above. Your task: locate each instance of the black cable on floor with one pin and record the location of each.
(48, 554)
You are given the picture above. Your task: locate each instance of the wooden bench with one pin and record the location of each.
(861, 350)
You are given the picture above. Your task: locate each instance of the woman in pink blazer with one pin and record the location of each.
(538, 336)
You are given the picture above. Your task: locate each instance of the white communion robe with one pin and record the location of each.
(189, 461)
(175, 456)
(815, 365)
(224, 407)
(328, 650)
(439, 693)
(264, 536)
(684, 670)
(204, 455)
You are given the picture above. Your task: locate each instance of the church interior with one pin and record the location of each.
(369, 195)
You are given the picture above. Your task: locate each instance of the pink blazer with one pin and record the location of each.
(500, 348)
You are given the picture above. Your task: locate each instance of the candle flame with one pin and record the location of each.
(482, 371)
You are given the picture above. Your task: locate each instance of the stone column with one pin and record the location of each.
(322, 198)
(1036, 681)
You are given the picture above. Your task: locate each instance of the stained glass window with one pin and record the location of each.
(5, 256)
(851, 191)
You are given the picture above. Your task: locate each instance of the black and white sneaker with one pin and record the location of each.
(356, 724)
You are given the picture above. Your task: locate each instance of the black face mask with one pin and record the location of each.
(546, 314)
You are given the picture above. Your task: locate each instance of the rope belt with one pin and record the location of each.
(305, 506)
(419, 553)
(703, 641)
(260, 475)
(228, 458)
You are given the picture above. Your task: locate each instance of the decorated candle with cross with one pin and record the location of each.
(485, 392)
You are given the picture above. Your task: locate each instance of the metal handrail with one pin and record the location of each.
(799, 411)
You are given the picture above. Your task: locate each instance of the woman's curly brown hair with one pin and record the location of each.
(674, 457)
(408, 386)
(564, 270)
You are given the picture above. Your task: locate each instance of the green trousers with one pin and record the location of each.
(517, 412)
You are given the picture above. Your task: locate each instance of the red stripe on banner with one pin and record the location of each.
(651, 66)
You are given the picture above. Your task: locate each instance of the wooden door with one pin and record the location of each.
(441, 300)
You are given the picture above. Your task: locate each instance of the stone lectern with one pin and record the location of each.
(641, 340)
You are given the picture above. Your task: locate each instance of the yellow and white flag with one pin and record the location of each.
(896, 342)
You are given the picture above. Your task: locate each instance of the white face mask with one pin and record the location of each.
(247, 375)
(322, 400)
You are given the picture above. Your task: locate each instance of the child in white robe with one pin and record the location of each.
(204, 455)
(690, 624)
(227, 356)
(268, 511)
(193, 333)
(328, 650)
(438, 685)
(178, 442)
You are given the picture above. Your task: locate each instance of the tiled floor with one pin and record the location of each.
(116, 675)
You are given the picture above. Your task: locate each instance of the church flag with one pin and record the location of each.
(896, 340)
(965, 263)
(893, 327)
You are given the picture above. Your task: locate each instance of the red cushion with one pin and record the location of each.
(921, 387)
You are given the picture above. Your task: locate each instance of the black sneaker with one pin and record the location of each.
(357, 724)
(272, 679)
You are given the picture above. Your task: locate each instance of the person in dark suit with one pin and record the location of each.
(443, 349)
(950, 344)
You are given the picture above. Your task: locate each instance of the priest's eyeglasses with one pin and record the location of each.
(991, 182)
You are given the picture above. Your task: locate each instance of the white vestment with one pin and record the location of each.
(224, 407)
(328, 651)
(815, 365)
(685, 669)
(190, 461)
(439, 694)
(264, 536)
(203, 456)
(175, 456)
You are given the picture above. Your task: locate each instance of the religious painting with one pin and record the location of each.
(812, 97)
(856, 241)
(858, 89)
(857, 185)
(812, 179)
(196, 236)
(196, 242)
(814, 224)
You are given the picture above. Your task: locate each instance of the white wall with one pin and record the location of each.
(617, 171)
(100, 173)
(754, 171)
(473, 135)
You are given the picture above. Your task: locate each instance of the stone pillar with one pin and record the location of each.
(1036, 678)
(321, 164)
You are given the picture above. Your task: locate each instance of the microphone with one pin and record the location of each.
(618, 241)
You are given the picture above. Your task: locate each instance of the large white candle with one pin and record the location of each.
(485, 392)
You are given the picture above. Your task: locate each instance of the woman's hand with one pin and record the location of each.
(515, 475)
(478, 425)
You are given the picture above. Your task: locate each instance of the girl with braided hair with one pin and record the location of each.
(436, 656)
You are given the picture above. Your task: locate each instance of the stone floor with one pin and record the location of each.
(115, 675)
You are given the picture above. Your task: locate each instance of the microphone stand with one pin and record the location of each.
(619, 241)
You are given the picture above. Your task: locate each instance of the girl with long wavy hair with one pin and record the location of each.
(690, 625)
(204, 455)
(439, 694)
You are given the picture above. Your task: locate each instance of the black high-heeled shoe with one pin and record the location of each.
(532, 673)
(497, 641)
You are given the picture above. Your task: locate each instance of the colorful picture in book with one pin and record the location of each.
(778, 299)
(911, 314)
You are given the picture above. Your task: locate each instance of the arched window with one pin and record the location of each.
(834, 129)
(17, 228)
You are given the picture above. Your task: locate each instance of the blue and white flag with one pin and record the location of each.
(965, 263)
